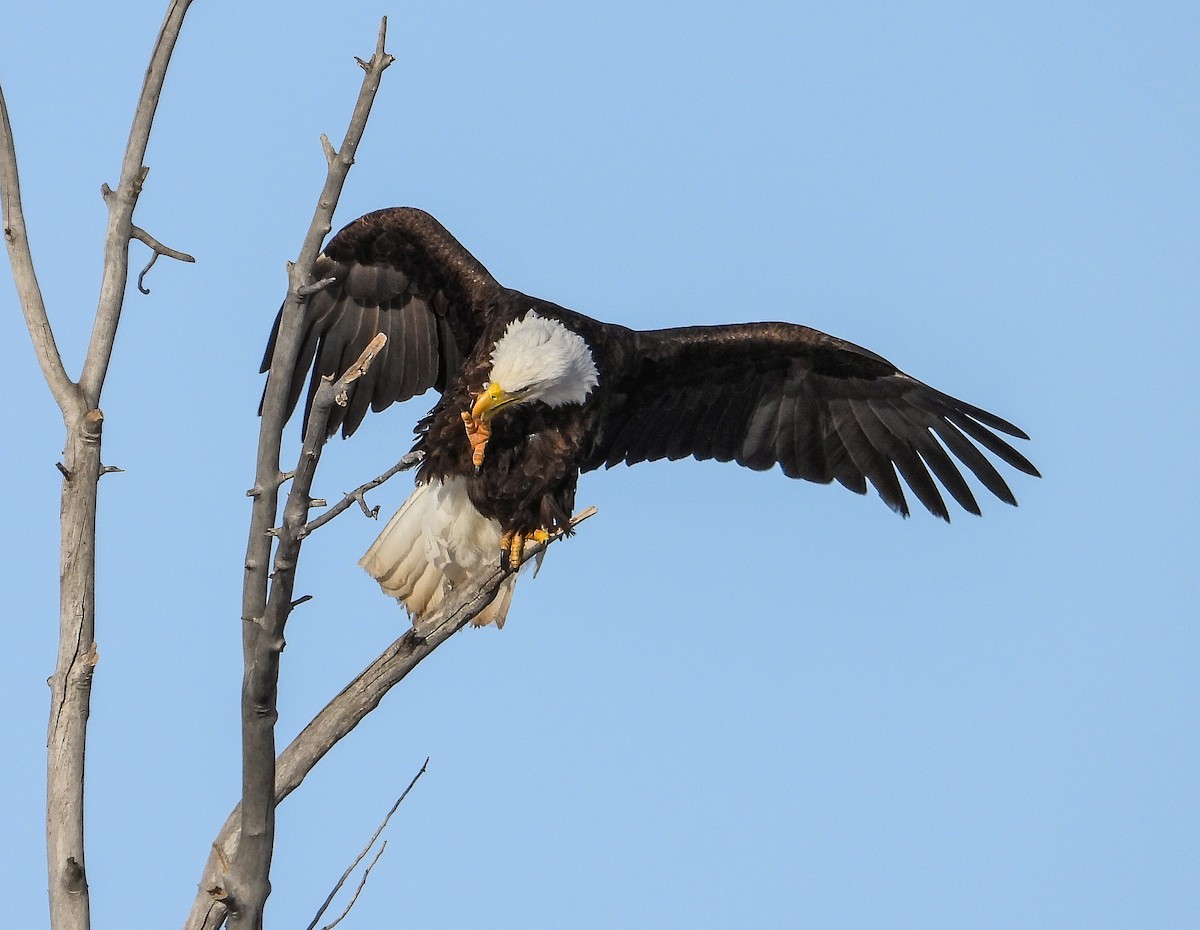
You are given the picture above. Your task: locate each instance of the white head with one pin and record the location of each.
(539, 359)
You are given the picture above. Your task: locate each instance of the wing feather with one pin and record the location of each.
(822, 408)
(706, 416)
(758, 442)
(729, 431)
(399, 272)
(869, 460)
(904, 423)
(900, 449)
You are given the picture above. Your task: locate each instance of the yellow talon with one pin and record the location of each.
(512, 546)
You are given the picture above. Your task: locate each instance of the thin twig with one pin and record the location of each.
(411, 460)
(362, 855)
(158, 249)
(362, 883)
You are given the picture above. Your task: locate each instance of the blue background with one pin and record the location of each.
(733, 700)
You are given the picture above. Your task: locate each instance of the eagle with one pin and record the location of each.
(534, 394)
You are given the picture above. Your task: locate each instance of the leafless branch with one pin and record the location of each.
(411, 460)
(248, 884)
(120, 209)
(20, 256)
(342, 714)
(159, 249)
(362, 855)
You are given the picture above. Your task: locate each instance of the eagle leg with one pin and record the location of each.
(478, 434)
(512, 546)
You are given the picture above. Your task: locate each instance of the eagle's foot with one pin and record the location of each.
(512, 546)
(478, 434)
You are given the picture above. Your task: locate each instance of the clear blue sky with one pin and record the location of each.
(734, 700)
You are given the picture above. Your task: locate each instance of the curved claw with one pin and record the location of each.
(512, 546)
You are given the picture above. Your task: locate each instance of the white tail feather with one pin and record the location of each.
(435, 542)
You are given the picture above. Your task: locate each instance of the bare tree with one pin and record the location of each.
(235, 883)
(79, 401)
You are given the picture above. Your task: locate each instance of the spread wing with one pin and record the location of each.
(823, 408)
(397, 272)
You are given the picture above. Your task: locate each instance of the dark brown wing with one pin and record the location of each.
(822, 408)
(397, 272)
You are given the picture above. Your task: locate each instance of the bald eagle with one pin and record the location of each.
(533, 394)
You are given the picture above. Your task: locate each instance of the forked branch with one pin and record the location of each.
(159, 249)
(359, 858)
(120, 209)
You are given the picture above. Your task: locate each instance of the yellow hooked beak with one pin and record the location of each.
(492, 399)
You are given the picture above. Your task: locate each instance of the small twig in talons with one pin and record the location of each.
(159, 249)
(362, 855)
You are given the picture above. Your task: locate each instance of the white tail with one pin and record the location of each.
(435, 542)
